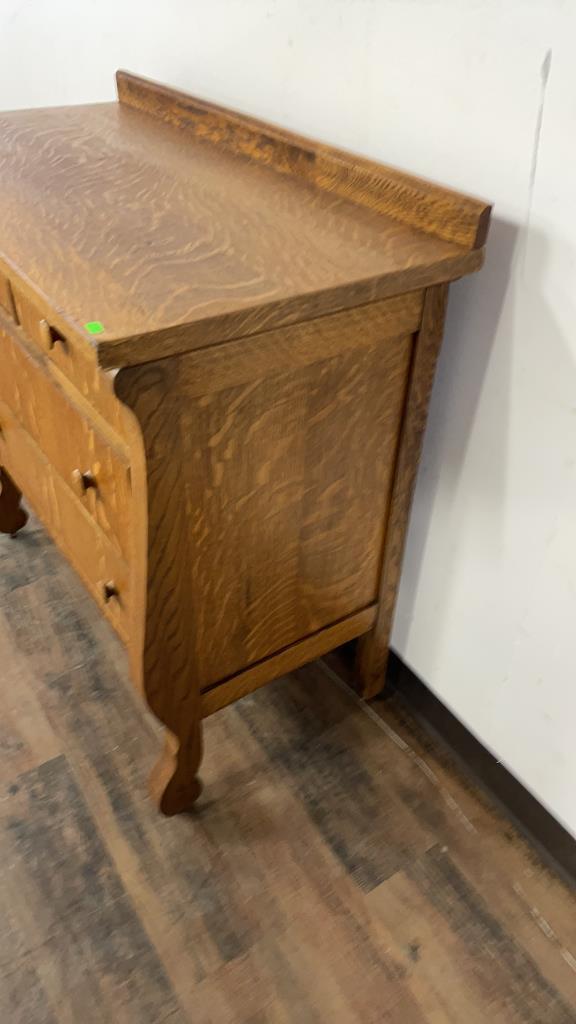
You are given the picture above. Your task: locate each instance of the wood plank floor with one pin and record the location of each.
(339, 869)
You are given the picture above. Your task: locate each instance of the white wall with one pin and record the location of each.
(450, 89)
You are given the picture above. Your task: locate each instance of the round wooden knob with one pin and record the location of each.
(109, 591)
(84, 481)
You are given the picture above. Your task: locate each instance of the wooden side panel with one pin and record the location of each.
(266, 504)
(268, 500)
(288, 478)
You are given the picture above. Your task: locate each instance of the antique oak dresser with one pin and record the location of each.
(217, 344)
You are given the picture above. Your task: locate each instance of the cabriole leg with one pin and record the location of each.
(174, 783)
(170, 676)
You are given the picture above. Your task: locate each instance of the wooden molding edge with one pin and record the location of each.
(443, 212)
(135, 349)
(225, 692)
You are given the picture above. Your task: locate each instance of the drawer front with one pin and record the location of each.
(104, 572)
(73, 358)
(88, 462)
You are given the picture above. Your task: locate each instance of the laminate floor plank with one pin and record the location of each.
(26, 736)
(338, 867)
(532, 902)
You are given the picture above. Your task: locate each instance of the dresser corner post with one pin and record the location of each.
(12, 516)
(167, 671)
(373, 647)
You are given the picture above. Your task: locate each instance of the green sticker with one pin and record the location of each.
(94, 327)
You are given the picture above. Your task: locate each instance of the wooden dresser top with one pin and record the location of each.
(177, 224)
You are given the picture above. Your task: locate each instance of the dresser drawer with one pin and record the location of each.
(104, 572)
(87, 459)
(69, 356)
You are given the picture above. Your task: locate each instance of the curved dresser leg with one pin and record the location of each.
(12, 515)
(174, 784)
(171, 664)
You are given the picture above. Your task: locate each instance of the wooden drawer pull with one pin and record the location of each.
(109, 591)
(7, 298)
(52, 335)
(83, 482)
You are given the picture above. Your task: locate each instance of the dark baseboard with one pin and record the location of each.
(555, 844)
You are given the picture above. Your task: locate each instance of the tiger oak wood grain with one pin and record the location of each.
(71, 526)
(227, 459)
(276, 531)
(226, 692)
(438, 211)
(69, 439)
(292, 469)
(73, 363)
(210, 263)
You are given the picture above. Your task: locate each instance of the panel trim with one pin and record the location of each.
(292, 657)
(288, 348)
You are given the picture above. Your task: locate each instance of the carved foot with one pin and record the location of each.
(174, 784)
(12, 515)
